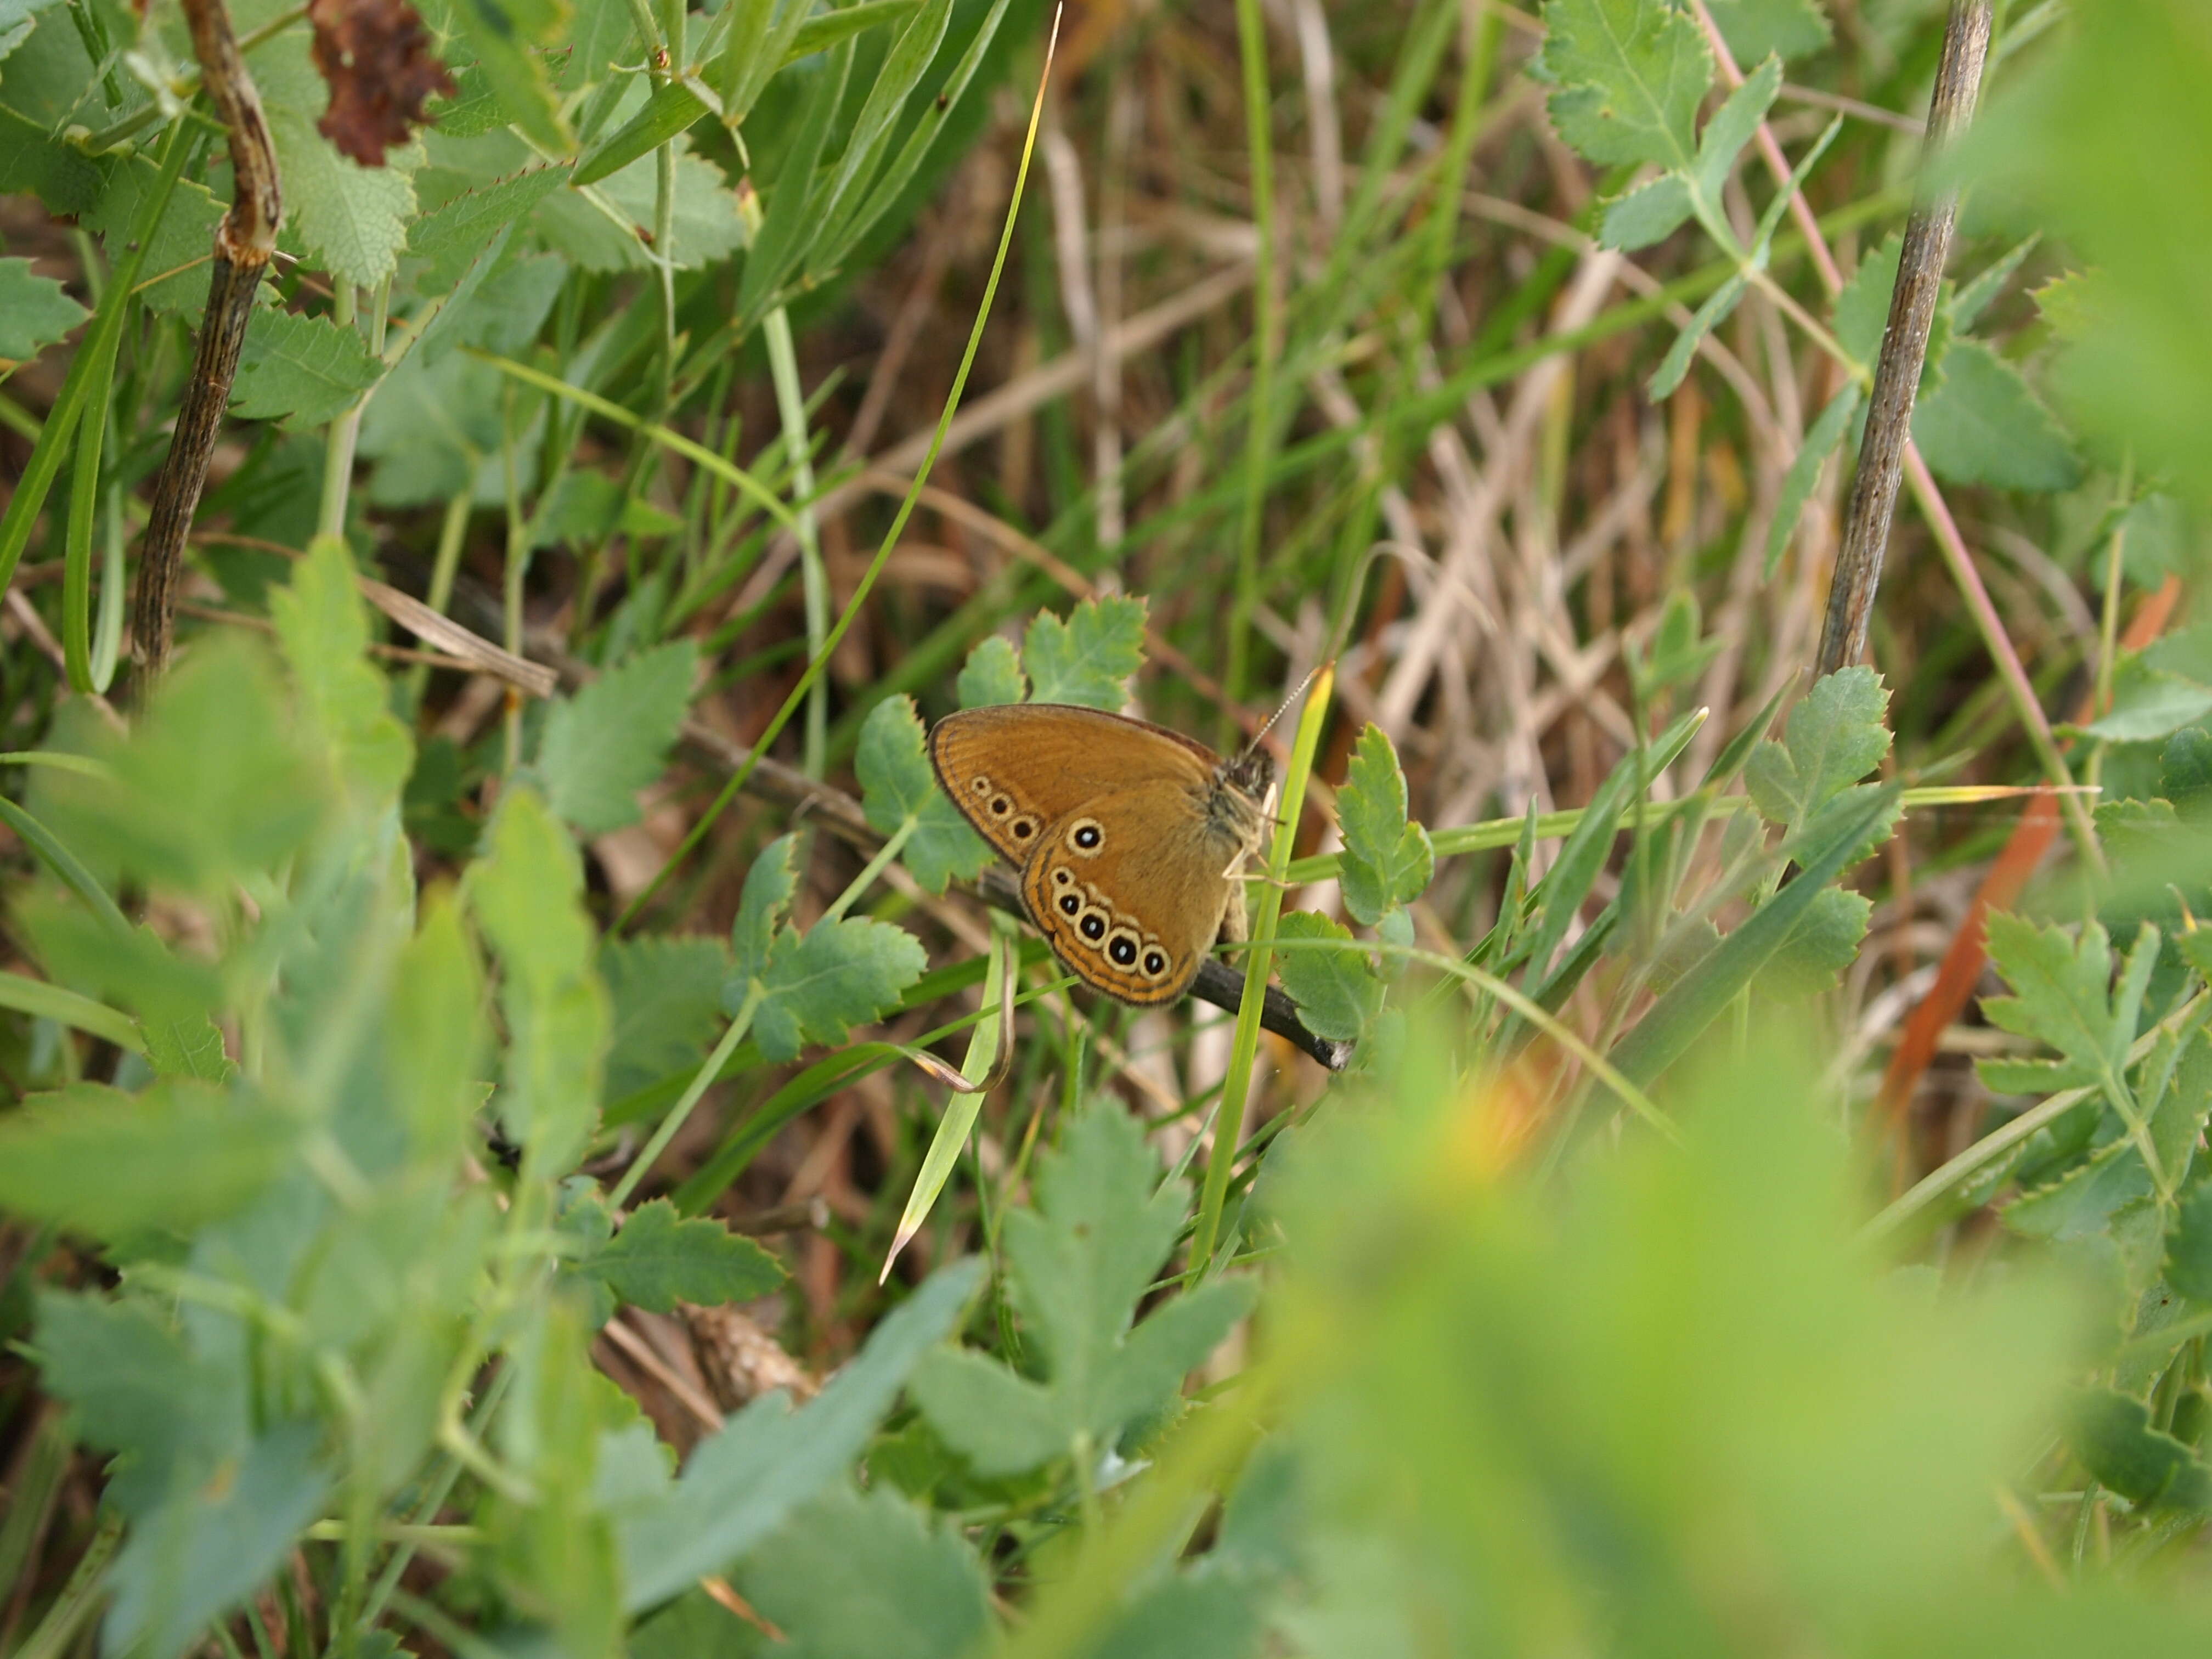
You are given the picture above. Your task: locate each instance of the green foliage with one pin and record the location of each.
(658, 1260)
(1077, 1266)
(612, 739)
(810, 987)
(1388, 860)
(898, 789)
(1337, 992)
(304, 369)
(1089, 658)
(35, 312)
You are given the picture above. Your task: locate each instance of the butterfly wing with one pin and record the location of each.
(1014, 769)
(1129, 890)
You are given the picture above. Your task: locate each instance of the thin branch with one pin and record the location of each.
(1904, 351)
(243, 244)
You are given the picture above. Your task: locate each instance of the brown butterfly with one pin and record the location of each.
(1128, 835)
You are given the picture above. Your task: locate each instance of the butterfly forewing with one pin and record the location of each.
(1015, 768)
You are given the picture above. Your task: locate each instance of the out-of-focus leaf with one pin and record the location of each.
(746, 1478)
(666, 990)
(1629, 78)
(612, 738)
(1753, 28)
(1078, 1265)
(1821, 439)
(1983, 425)
(2111, 1434)
(323, 627)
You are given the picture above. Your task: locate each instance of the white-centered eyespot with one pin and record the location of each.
(1086, 838)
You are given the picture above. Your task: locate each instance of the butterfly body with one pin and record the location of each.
(1128, 836)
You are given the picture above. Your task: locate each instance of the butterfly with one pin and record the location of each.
(1128, 836)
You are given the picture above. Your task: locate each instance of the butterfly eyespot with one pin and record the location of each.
(1070, 905)
(1085, 837)
(1001, 806)
(982, 786)
(1156, 963)
(1063, 878)
(1024, 827)
(1122, 949)
(1093, 926)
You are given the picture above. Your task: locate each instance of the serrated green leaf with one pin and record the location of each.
(527, 893)
(179, 1153)
(1629, 77)
(613, 738)
(1707, 317)
(2113, 1436)
(855, 1575)
(1753, 28)
(191, 1049)
(434, 429)
(2081, 1203)
(742, 1482)
(837, 975)
(1078, 1265)
(304, 369)
(1821, 439)
(665, 992)
(658, 1260)
(1983, 425)
(768, 887)
(992, 675)
(1388, 860)
(463, 226)
(897, 785)
(180, 243)
(1825, 942)
(1090, 658)
(323, 627)
(1833, 738)
(2149, 704)
(705, 226)
(2062, 990)
(1338, 993)
(351, 220)
(35, 311)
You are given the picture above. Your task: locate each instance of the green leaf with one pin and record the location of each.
(896, 785)
(666, 992)
(768, 887)
(1983, 425)
(2113, 1436)
(838, 974)
(855, 1575)
(1671, 1024)
(613, 738)
(1650, 213)
(1833, 738)
(527, 893)
(203, 1551)
(35, 311)
(788, 226)
(1090, 658)
(434, 1039)
(673, 108)
(351, 220)
(1734, 124)
(2081, 1203)
(2062, 985)
(2184, 773)
(216, 753)
(191, 1049)
(304, 369)
(2147, 705)
(745, 1479)
(98, 1161)
(2189, 1247)
(1629, 77)
(1196, 1614)
(1707, 317)
(1337, 992)
(1388, 860)
(658, 1260)
(180, 243)
(1078, 1265)
(1821, 439)
(506, 34)
(993, 674)
(1825, 942)
(1753, 28)
(323, 627)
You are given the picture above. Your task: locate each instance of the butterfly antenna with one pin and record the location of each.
(1284, 707)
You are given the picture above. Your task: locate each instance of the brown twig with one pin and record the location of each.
(1903, 350)
(243, 243)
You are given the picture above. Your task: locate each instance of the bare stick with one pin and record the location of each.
(243, 243)
(1904, 350)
